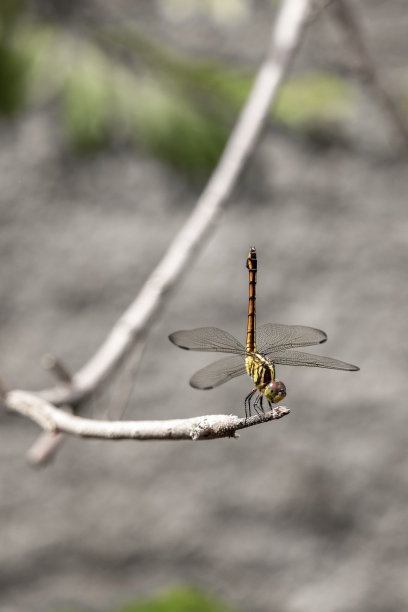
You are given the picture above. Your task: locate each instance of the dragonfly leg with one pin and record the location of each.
(258, 405)
(248, 403)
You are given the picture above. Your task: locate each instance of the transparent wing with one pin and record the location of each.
(209, 339)
(273, 336)
(298, 358)
(218, 372)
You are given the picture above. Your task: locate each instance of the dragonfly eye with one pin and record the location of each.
(275, 391)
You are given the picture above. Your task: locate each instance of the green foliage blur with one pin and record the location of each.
(174, 106)
(181, 599)
(14, 59)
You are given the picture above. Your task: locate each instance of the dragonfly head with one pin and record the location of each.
(275, 391)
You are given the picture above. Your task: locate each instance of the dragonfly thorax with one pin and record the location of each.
(259, 369)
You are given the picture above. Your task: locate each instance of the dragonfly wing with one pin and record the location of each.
(218, 372)
(298, 358)
(209, 339)
(273, 336)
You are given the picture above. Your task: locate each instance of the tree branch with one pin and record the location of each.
(365, 68)
(54, 420)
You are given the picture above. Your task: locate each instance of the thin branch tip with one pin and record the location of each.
(3, 389)
(57, 367)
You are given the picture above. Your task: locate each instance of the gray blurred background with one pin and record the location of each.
(300, 515)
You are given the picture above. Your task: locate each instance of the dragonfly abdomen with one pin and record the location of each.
(260, 370)
(252, 267)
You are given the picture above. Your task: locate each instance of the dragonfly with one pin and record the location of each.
(270, 345)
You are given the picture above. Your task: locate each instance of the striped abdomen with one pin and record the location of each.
(252, 267)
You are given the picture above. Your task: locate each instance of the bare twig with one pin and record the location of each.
(365, 68)
(44, 448)
(46, 445)
(53, 420)
(132, 326)
(57, 368)
(316, 7)
(3, 389)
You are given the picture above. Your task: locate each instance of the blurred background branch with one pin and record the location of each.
(365, 68)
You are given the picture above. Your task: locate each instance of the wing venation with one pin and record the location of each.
(218, 372)
(275, 336)
(209, 339)
(298, 358)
